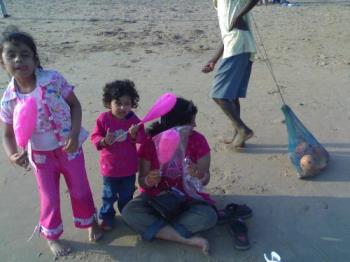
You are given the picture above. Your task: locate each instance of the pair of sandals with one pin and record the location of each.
(234, 214)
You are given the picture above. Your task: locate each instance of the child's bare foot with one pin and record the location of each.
(57, 248)
(200, 242)
(95, 232)
(242, 137)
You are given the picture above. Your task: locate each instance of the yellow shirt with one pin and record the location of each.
(235, 41)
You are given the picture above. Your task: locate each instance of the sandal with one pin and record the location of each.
(232, 212)
(239, 231)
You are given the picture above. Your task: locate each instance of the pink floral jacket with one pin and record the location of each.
(55, 112)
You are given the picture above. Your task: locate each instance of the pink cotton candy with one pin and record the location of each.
(24, 121)
(162, 106)
(168, 143)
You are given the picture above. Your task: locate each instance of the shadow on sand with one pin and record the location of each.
(298, 228)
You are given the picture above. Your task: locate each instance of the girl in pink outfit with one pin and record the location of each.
(55, 146)
(115, 136)
(197, 216)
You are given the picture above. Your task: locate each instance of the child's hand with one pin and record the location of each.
(72, 144)
(194, 171)
(208, 67)
(133, 131)
(152, 178)
(109, 138)
(20, 159)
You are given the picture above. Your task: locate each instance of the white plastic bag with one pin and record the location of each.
(274, 257)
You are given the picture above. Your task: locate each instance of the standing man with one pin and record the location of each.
(3, 9)
(232, 76)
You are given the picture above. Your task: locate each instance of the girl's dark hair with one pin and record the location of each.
(182, 114)
(117, 89)
(13, 35)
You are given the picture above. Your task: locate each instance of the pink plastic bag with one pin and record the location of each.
(171, 151)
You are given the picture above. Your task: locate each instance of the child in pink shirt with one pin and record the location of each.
(115, 136)
(55, 146)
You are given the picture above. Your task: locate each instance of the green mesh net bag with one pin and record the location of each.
(308, 156)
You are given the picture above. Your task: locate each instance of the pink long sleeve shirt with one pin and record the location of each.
(120, 158)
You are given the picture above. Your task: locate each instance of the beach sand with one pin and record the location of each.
(161, 46)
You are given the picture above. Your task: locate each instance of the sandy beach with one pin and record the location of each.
(162, 45)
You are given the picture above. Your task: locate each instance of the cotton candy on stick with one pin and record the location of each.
(161, 106)
(24, 121)
(168, 144)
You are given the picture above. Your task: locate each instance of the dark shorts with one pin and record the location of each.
(232, 77)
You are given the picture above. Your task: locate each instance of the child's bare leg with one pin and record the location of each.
(200, 242)
(57, 248)
(168, 233)
(95, 232)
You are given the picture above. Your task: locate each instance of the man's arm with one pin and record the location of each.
(238, 21)
(208, 67)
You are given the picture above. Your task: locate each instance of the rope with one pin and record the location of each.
(267, 60)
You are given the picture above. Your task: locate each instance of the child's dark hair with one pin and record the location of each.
(182, 114)
(119, 88)
(13, 35)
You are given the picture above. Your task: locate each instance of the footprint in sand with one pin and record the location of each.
(135, 60)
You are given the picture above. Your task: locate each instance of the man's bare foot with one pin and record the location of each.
(228, 139)
(200, 242)
(57, 248)
(239, 148)
(95, 232)
(241, 138)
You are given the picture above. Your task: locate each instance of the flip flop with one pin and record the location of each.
(239, 231)
(232, 212)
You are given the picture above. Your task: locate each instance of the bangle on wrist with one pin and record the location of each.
(146, 183)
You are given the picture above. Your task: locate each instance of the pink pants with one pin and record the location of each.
(48, 165)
